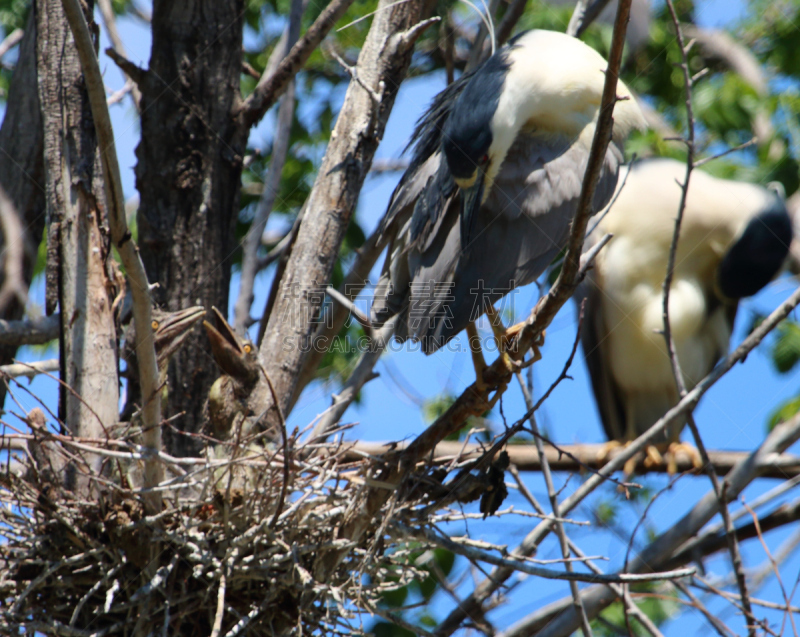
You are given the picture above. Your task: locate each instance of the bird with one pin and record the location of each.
(170, 330)
(734, 239)
(493, 184)
(237, 359)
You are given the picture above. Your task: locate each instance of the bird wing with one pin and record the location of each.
(594, 338)
(520, 228)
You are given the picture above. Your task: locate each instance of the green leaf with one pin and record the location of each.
(786, 347)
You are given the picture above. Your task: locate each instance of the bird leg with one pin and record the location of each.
(504, 335)
(478, 361)
(654, 455)
(671, 455)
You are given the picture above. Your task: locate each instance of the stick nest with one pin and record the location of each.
(233, 551)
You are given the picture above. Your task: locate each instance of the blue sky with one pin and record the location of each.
(731, 416)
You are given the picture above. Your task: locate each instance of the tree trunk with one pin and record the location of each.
(22, 169)
(79, 233)
(188, 177)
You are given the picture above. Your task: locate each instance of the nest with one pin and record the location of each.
(254, 544)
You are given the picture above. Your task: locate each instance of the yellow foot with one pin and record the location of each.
(478, 361)
(674, 449)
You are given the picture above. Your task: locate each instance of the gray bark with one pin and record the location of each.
(22, 171)
(382, 65)
(77, 224)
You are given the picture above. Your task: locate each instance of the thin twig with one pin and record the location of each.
(551, 491)
(280, 149)
(523, 567)
(736, 558)
(271, 87)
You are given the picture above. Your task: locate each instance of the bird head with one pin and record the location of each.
(170, 331)
(544, 83)
(236, 357)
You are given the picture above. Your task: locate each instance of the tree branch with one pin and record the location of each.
(529, 545)
(382, 64)
(271, 87)
(577, 457)
(280, 148)
(121, 237)
(720, 490)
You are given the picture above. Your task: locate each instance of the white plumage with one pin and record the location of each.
(494, 181)
(734, 237)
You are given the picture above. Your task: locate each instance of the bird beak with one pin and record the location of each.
(471, 200)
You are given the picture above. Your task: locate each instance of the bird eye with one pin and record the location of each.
(247, 348)
(485, 159)
(154, 325)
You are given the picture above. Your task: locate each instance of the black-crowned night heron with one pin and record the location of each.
(734, 239)
(170, 330)
(237, 359)
(494, 181)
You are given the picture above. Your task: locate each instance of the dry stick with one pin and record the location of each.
(716, 624)
(632, 608)
(280, 149)
(472, 553)
(772, 562)
(110, 23)
(336, 314)
(736, 558)
(121, 237)
(551, 492)
(271, 87)
(31, 331)
(685, 528)
(658, 553)
(29, 370)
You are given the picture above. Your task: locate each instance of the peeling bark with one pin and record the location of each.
(73, 191)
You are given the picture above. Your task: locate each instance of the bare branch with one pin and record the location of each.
(37, 331)
(574, 458)
(744, 472)
(29, 370)
(383, 61)
(720, 490)
(110, 23)
(280, 149)
(523, 567)
(121, 236)
(271, 87)
(10, 41)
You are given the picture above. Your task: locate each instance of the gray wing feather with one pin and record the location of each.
(518, 231)
(594, 339)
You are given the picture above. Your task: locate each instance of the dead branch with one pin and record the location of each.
(382, 64)
(110, 23)
(121, 236)
(10, 41)
(558, 619)
(35, 331)
(271, 87)
(280, 148)
(29, 370)
(521, 566)
(473, 603)
(526, 457)
(720, 490)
